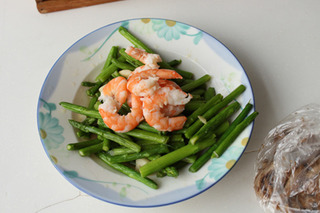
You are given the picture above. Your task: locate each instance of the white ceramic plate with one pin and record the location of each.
(200, 53)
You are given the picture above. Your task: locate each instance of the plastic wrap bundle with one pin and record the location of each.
(287, 170)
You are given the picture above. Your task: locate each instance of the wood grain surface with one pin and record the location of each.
(48, 6)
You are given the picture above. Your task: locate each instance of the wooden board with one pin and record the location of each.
(48, 6)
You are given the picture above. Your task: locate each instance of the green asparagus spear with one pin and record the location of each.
(145, 126)
(142, 134)
(222, 147)
(174, 156)
(122, 65)
(193, 105)
(120, 151)
(157, 149)
(215, 122)
(80, 109)
(113, 53)
(209, 93)
(127, 171)
(106, 74)
(169, 171)
(87, 84)
(191, 130)
(82, 144)
(92, 102)
(206, 155)
(133, 39)
(202, 109)
(106, 134)
(92, 91)
(198, 92)
(89, 150)
(174, 63)
(196, 83)
(106, 144)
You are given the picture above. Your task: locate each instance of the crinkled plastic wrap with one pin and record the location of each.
(287, 170)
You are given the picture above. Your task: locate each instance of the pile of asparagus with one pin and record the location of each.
(207, 132)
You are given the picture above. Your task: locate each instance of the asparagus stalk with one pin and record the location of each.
(207, 154)
(191, 130)
(198, 92)
(174, 156)
(106, 144)
(112, 54)
(170, 171)
(157, 149)
(106, 134)
(174, 62)
(82, 144)
(120, 151)
(93, 90)
(81, 110)
(215, 122)
(122, 65)
(143, 142)
(106, 74)
(209, 93)
(87, 84)
(142, 134)
(223, 146)
(196, 83)
(89, 150)
(193, 105)
(133, 39)
(127, 171)
(92, 102)
(202, 109)
(176, 138)
(108, 67)
(145, 126)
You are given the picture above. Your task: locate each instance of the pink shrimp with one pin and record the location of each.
(171, 110)
(114, 94)
(116, 89)
(145, 83)
(149, 59)
(154, 108)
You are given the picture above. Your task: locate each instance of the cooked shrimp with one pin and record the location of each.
(145, 83)
(142, 68)
(149, 59)
(157, 119)
(154, 108)
(116, 89)
(114, 94)
(171, 110)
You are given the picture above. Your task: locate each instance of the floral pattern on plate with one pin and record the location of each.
(49, 128)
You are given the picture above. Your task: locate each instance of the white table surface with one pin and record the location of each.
(277, 42)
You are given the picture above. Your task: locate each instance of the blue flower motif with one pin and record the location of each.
(50, 131)
(220, 166)
(168, 29)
